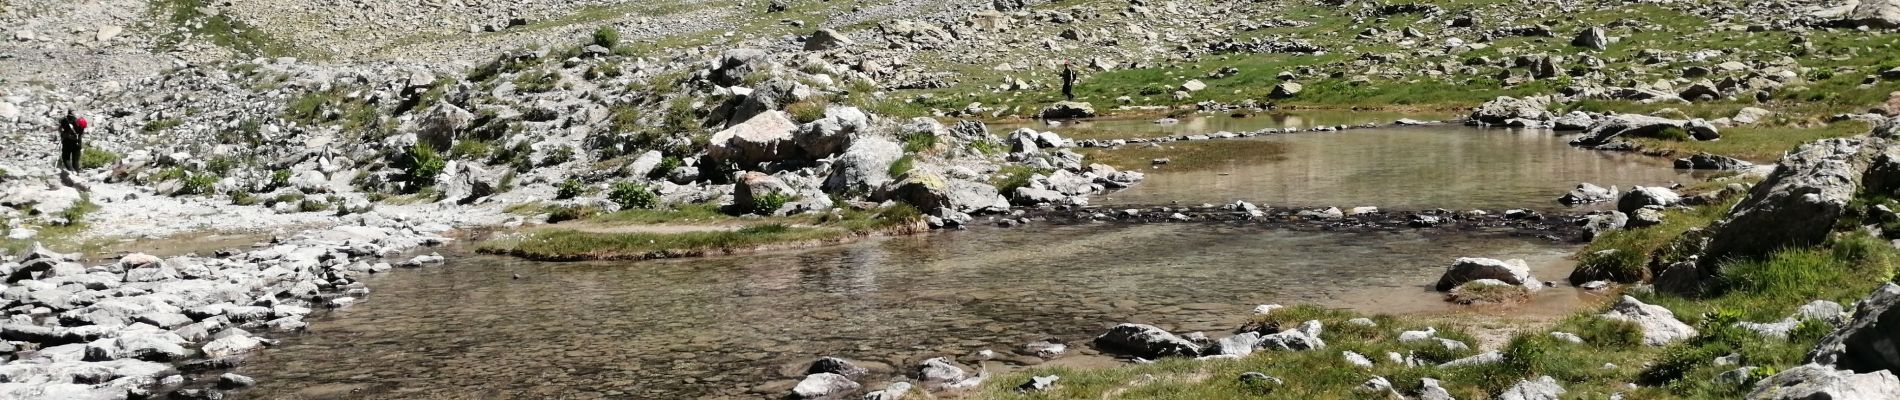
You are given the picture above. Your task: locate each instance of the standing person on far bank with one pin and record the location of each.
(71, 129)
(1068, 81)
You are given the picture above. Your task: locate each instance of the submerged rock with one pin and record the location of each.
(1587, 193)
(1514, 272)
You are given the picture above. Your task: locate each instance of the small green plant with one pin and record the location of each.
(1810, 331)
(93, 157)
(199, 183)
(312, 205)
(1610, 334)
(666, 167)
(633, 196)
(284, 198)
(221, 164)
(278, 179)
(570, 213)
(243, 198)
(569, 189)
(538, 83)
(469, 149)
(807, 110)
(1676, 362)
(1011, 177)
(558, 156)
(902, 165)
(769, 203)
(421, 166)
(919, 142)
(162, 125)
(607, 37)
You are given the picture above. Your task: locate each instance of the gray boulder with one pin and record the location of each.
(1872, 13)
(732, 67)
(865, 166)
(1795, 206)
(1038, 383)
(1513, 272)
(896, 391)
(827, 39)
(1505, 111)
(1713, 162)
(1543, 388)
(1594, 38)
(1286, 90)
(924, 190)
(831, 134)
(1871, 341)
(1146, 341)
(940, 373)
(1586, 193)
(1068, 110)
(1291, 340)
(1642, 196)
(1596, 224)
(826, 385)
(838, 366)
(1608, 129)
(749, 186)
(1812, 381)
(1660, 326)
(766, 137)
(443, 124)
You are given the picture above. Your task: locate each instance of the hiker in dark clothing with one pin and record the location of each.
(1068, 81)
(71, 130)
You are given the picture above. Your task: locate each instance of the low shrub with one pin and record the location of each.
(633, 196)
(768, 203)
(569, 189)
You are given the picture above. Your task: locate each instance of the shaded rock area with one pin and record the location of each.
(1791, 207)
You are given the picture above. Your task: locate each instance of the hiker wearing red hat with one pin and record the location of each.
(71, 129)
(1068, 81)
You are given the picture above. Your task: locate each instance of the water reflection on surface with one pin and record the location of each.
(1208, 123)
(691, 328)
(1410, 168)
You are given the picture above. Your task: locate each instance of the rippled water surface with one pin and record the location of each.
(729, 327)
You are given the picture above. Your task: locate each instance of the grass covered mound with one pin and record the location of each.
(1589, 356)
(710, 233)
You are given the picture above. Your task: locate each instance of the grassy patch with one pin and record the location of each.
(190, 20)
(1011, 177)
(1624, 255)
(1759, 144)
(93, 157)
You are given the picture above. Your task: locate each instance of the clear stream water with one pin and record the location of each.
(733, 327)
